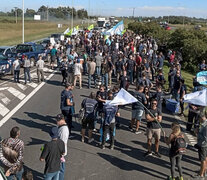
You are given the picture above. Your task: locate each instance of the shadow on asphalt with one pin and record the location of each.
(35, 141)
(129, 166)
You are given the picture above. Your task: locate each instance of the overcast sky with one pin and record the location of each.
(192, 8)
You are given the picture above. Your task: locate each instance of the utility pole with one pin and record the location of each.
(16, 13)
(23, 21)
(88, 11)
(133, 12)
(72, 16)
(47, 14)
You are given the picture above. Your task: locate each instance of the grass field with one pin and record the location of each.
(11, 33)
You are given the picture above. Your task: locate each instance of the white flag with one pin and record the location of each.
(198, 98)
(66, 31)
(122, 98)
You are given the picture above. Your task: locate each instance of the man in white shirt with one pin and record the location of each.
(16, 67)
(63, 134)
(78, 68)
(40, 66)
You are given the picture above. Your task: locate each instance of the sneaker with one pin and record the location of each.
(181, 177)
(94, 130)
(82, 140)
(102, 146)
(90, 140)
(170, 178)
(158, 154)
(138, 132)
(148, 153)
(198, 177)
(112, 147)
(130, 128)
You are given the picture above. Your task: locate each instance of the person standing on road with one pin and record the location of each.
(53, 56)
(99, 60)
(11, 155)
(202, 148)
(63, 134)
(137, 108)
(52, 153)
(78, 68)
(27, 66)
(66, 105)
(109, 112)
(40, 66)
(64, 67)
(153, 128)
(90, 106)
(70, 71)
(91, 72)
(175, 156)
(16, 67)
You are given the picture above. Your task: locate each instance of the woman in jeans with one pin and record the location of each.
(175, 157)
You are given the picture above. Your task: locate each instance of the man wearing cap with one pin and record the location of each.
(52, 153)
(66, 104)
(78, 68)
(63, 134)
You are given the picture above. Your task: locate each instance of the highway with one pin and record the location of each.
(36, 115)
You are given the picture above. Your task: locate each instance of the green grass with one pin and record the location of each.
(11, 33)
(186, 75)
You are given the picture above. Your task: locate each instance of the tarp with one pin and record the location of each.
(122, 98)
(202, 77)
(197, 98)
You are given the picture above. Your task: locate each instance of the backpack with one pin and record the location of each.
(180, 145)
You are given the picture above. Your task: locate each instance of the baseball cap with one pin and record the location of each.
(54, 133)
(60, 117)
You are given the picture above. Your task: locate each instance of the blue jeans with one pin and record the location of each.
(52, 176)
(18, 175)
(89, 80)
(27, 73)
(62, 170)
(16, 75)
(176, 95)
(130, 74)
(98, 70)
(105, 79)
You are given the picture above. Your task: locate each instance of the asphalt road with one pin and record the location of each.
(87, 161)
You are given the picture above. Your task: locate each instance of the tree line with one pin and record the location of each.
(192, 43)
(59, 12)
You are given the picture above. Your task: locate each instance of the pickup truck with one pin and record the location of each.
(6, 65)
(32, 50)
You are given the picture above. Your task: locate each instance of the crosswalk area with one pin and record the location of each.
(11, 94)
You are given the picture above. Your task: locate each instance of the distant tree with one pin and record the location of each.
(30, 12)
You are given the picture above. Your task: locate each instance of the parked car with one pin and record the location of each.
(32, 50)
(6, 65)
(8, 51)
(57, 37)
(45, 42)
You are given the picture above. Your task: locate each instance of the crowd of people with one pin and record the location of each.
(128, 61)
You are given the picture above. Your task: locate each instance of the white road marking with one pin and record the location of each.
(4, 99)
(12, 112)
(33, 85)
(3, 110)
(16, 93)
(21, 86)
(3, 88)
(33, 75)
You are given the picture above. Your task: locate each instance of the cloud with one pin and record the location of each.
(160, 8)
